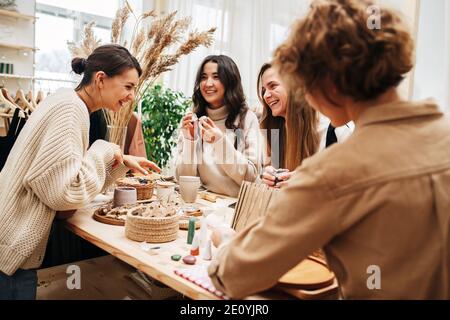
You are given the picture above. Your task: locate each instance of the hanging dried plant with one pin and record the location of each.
(150, 46)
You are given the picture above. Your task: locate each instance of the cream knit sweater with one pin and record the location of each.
(221, 167)
(49, 169)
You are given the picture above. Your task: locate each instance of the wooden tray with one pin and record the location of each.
(108, 220)
(327, 293)
(310, 274)
(184, 224)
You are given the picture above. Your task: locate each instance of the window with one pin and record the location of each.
(60, 21)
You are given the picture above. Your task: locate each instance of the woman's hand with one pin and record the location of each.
(276, 178)
(268, 177)
(209, 131)
(283, 178)
(188, 126)
(221, 235)
(140, 164)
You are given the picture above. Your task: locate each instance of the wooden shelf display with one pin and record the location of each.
(17, 47)
(17, 15)
(15, 76)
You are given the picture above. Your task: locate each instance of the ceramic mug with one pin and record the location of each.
(189, 188)
(164, 190)
(124, 195)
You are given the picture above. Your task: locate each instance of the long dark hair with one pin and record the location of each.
(112, 59)
(234, 97)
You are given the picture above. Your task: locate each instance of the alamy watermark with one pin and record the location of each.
(374, 280)
(374, 20)
(74, 277)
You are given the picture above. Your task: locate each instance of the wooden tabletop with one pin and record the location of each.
(157, 263)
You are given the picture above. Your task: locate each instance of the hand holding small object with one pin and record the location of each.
(272, 177)
(280, 176)
(189, 123)
(209, 130)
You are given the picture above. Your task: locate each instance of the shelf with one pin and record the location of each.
(17, 15)
(17, 47)
(15, 76)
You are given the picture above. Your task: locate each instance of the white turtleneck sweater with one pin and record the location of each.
(49, 169)
(221, 167)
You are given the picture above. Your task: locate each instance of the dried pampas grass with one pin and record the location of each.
(150, 46)
(89, 43)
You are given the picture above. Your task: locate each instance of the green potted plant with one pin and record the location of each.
(162, 111)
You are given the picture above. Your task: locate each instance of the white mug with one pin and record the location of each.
(164, 190)
(189, 188)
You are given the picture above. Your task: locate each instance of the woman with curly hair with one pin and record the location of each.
(377, 203)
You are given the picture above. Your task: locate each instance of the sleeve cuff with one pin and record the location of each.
(189, 150)
(224, 150)
(213, 269)
(114, 174)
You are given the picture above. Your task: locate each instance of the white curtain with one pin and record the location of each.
(247, 30)
(432, 73)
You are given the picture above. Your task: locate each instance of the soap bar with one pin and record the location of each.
(189, 260)
(175, 257)
(210, 197)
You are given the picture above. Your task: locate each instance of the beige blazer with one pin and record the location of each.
(379, 204)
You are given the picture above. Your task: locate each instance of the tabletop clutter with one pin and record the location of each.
(152, 211)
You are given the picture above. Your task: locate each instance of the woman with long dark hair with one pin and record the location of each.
(220, 138)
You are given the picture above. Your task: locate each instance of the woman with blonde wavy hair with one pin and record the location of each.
(377, 203)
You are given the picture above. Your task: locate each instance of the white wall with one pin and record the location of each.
(432, 55)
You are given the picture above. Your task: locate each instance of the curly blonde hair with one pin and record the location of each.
(334, 43)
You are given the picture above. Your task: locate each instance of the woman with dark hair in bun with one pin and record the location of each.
(50, 168)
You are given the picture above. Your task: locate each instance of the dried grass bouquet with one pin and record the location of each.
(157, 47)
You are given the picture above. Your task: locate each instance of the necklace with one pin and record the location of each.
(83, 98)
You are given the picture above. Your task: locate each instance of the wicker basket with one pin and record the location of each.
(144, 191)
(184, 224)
(151, 229)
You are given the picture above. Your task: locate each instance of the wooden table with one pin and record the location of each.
(156, 263)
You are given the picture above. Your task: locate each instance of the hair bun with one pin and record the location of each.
(79, 65)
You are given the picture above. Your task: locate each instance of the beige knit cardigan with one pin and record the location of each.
(49, 169)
